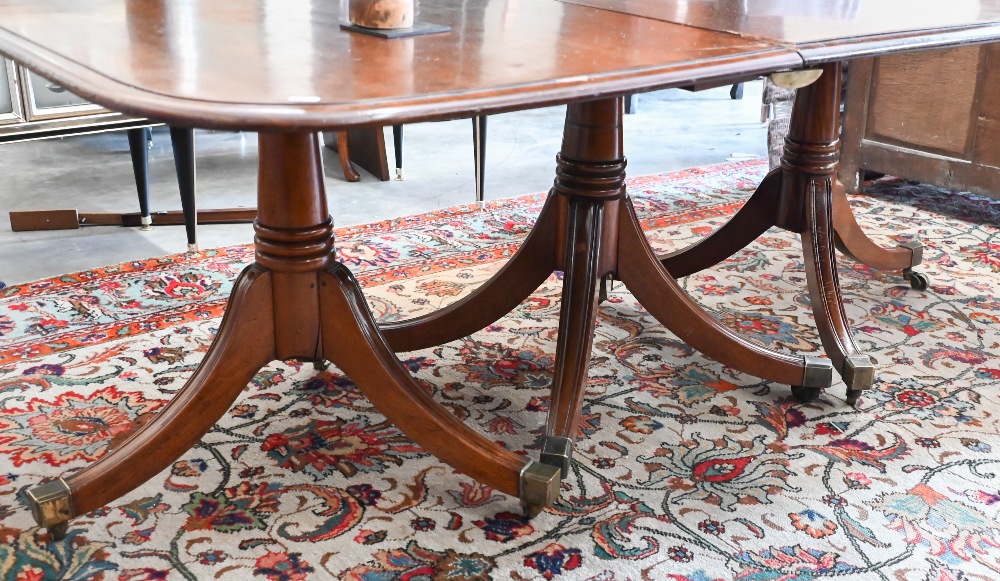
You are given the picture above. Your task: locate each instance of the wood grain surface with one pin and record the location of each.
(259, 64)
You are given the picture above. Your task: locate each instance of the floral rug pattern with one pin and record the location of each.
(686, 470)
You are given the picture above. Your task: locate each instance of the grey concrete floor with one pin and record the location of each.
(671, 130)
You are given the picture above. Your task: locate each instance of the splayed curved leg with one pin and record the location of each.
(225, 371)
(809, 166)
(852, 241)
(590, 184)
(516, 280)
(752, 220)
(351, 341)
(660, 294)
(279, 311)
(577, 318)
(855, 367)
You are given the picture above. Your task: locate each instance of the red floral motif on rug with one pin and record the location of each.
(686, 470)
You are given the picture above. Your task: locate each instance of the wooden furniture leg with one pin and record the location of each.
(295, 301)
(800, 197)
(533, 262)
(138, 145)
(344, 152)
(479, 151)
(182, 141)
(809, 169)
(853, 242)
(588, 230)
(397, 148)
(752, 220)
(657, 290)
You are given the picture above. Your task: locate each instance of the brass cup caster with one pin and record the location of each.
(859, 375)
(804, 394)
(539, 487)
(52, 506)
(558, 452)
(818, 376)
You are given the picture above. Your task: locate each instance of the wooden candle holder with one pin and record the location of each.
(387, 19)
(381, 14)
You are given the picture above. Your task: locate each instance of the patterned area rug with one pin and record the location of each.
(688, 470)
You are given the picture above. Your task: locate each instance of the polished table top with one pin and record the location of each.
(262, 64)
(259, 64)
(824, 30)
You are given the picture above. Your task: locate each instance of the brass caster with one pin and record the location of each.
(531, 510)
(852, 397)
(146, 223)
(916, 252)
(918, 280)
(796, 79)
(804, 394)
(858, 373)
(399, 174)
(192, 248)
(52, 506)
(558, 452)
(539, 487)
(321, 365)
(58, 532)
(818, 372)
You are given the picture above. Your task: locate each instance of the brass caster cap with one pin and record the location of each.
(52, 506)
(858, 373)
(539, 484)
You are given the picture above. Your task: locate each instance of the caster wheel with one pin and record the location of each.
(918, 280)
(805, 394)
(531, 510)
(58, 532)
(321, 365)
(852, 397)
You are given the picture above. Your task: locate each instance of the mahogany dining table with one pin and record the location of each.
(286, 70)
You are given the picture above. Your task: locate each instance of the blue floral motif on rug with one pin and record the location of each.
(685, 470)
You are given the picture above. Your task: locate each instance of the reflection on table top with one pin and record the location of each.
(258, 64)
(828, 29)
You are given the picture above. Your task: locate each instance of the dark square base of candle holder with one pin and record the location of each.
(418, 28)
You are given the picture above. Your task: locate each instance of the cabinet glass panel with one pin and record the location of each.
(6, 102)
(10, 102)
(46, 100)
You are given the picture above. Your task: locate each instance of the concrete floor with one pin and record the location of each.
(671, 130)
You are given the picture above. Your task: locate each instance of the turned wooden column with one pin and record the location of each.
(808, 170)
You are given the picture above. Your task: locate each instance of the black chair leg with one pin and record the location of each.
(479, 146)
(736, 92)
(138, 145)
(182, 140)
(397, 146)
(631, 103)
